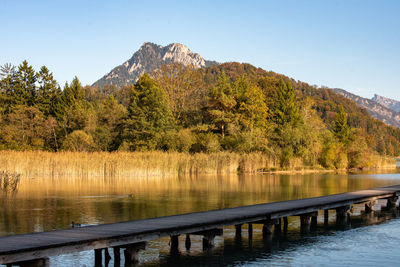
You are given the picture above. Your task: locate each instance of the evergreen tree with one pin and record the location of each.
(148, 115)
(221, 102)
(340, 127)
(49, 93)
(73, 93)
(7, 81)
(72, 109)
(24, 89)
(286, 109)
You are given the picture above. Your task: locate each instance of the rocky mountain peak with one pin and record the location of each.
(374, 107)
(148, 58)
(387, 102)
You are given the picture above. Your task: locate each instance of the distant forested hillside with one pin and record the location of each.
(227, 107)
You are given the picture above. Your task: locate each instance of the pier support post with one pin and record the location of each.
(314, 220)
(208, 240)
(326, 217)
(342, 216)
(188, 243)
(391, 202)
(117, 256)
(98, 258)
(305, 223)
(107, 256)
(250, 231)
(278, 227)
(208, 237)
(132, 252)
(238, 233)
(174, 243)
(267, 228)
(369, 206)
(285, 224)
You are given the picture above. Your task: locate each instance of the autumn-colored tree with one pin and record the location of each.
(183, 87)
(252, 110)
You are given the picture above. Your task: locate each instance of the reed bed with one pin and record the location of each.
(131, 164)
(9, 181)
(148, 164)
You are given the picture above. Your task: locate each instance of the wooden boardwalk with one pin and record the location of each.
(34, 246)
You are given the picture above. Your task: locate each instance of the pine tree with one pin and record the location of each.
(49, 93)
(7, 82)
(340, 126)
(286, 109)
(73, 93)
(221, 102)
(148, 115)
(24, 90)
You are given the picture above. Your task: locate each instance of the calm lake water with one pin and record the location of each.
(42, 204)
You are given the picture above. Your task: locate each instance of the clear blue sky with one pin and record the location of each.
(348, 44)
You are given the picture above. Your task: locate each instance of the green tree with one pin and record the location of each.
(109, 116)
(340, 126)
(73, 93)
(221, 102)
(7, 81)
(285, 108)
(72, 110)
(23, 91)
(148, 115)
(49, 93)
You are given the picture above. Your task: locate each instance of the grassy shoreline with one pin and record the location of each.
(146, 164)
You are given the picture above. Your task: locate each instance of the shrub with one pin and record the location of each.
(78, 141)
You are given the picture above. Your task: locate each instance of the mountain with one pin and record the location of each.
(387, 102)
(148, 58)
(378, 107)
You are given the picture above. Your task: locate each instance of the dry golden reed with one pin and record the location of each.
(131, 164)
(147, 164)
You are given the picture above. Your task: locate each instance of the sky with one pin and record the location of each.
(346, 44)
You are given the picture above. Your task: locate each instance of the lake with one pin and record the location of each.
(43, 203)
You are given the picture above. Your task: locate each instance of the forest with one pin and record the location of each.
(230, 107)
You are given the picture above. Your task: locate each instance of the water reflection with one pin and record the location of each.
(44, 203)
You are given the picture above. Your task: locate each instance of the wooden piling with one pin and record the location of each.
(208, 241)
(98, 258)
(250, 231)
(391, 202)
(238, 232)
(326, 217)
(174, 243)
(188, 243)
(117, 255)
(314, 221)
(132, 252)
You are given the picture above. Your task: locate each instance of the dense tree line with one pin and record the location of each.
(231, 107)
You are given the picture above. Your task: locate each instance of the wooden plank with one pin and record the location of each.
(45, 244)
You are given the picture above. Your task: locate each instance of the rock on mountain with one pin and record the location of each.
(148, 58)
(387, 102)
(377, 110)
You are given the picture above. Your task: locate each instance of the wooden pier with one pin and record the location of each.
(34, 249)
